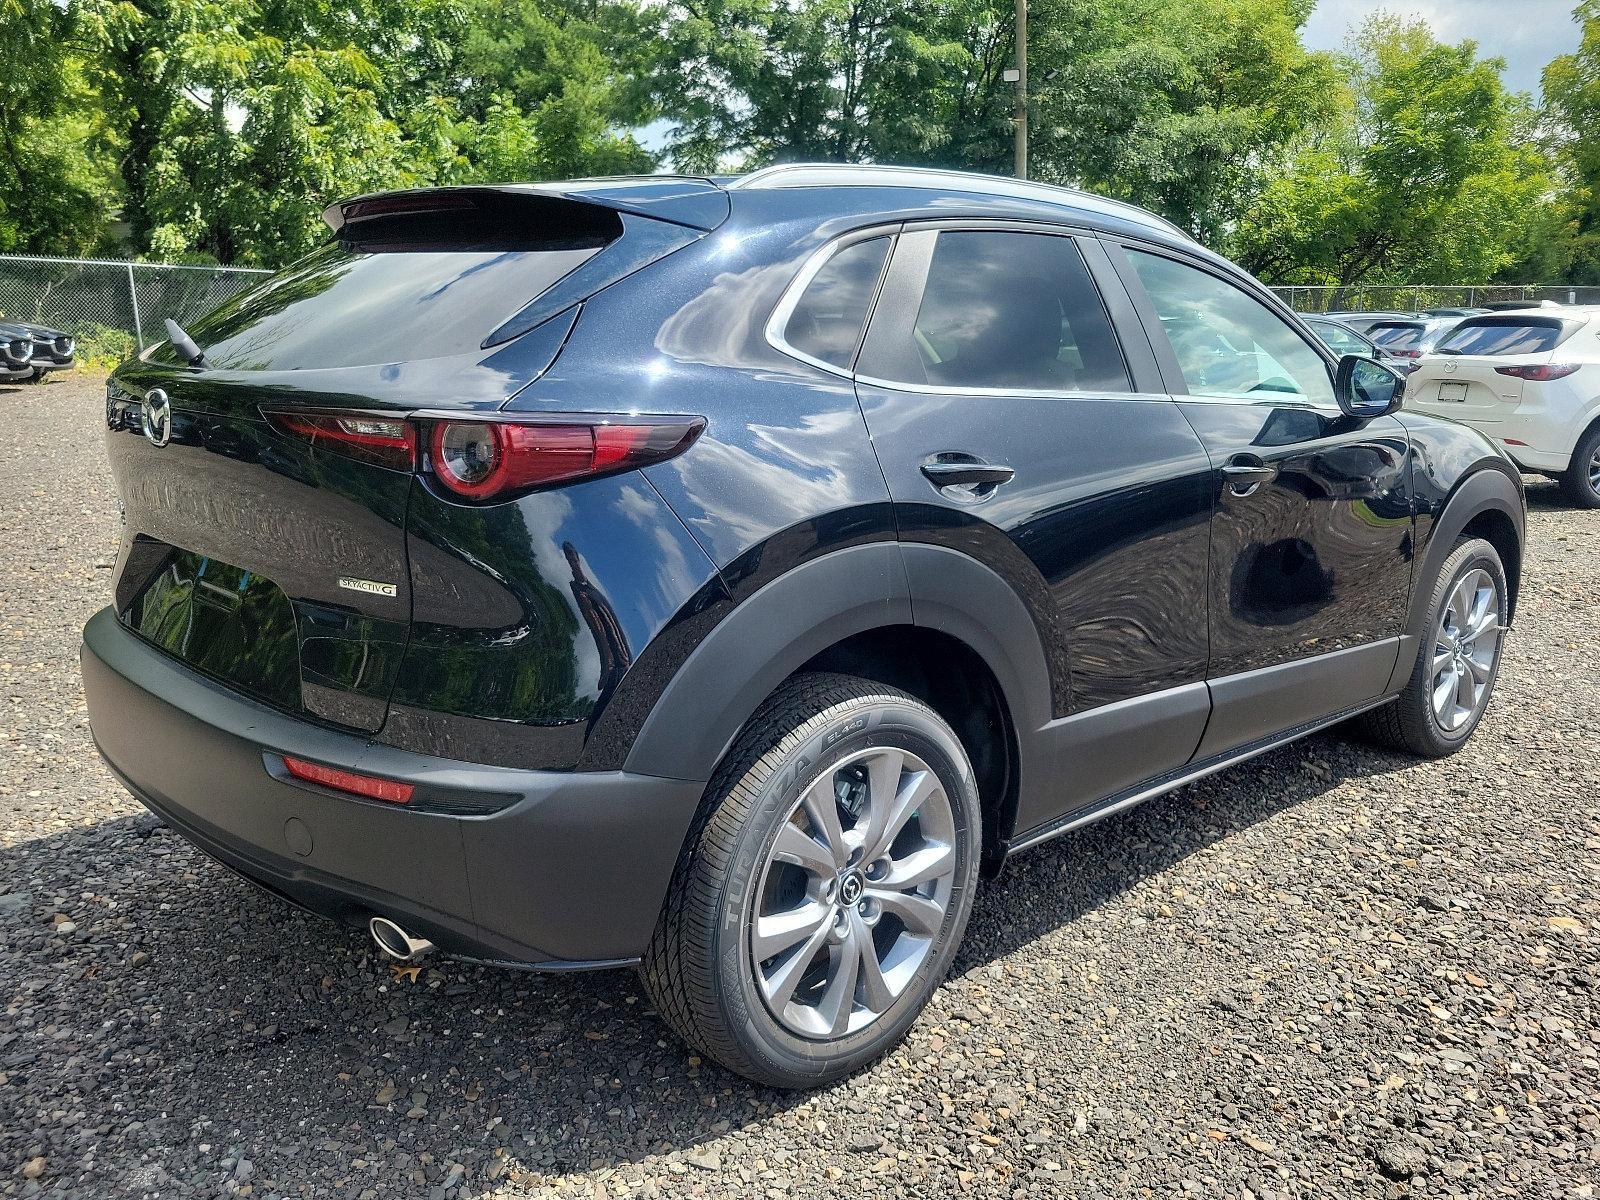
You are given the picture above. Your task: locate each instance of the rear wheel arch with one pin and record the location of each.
(931, 621)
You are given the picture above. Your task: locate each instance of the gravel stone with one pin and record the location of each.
(1327, 972)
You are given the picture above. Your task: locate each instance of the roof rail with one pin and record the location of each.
(787, 175)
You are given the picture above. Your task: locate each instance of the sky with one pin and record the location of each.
(1526, 33)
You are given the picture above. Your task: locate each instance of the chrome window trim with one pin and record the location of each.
(790, 299)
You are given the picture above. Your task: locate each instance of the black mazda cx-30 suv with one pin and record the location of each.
(718, 576)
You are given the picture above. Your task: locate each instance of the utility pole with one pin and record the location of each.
(1021, 120)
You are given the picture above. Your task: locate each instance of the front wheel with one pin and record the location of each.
(1457, 663)
(825, 886)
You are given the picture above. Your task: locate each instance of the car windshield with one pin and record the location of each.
(1501, 337)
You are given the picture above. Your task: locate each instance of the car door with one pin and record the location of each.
(1311, 541)
(1016, 423)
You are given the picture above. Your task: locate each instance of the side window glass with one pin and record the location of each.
(827, 321)
(1013, 311)
(1338, 339)
(1227, 342)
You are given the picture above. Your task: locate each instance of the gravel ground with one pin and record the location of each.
(1330, 972)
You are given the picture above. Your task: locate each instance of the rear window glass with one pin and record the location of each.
(1503, 337)
(1400, 337)
(827, 322)
(402, 287)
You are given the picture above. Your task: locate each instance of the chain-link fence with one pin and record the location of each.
(1415, 297)
(112, 308)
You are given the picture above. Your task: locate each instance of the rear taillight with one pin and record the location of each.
(489, 460)
(1540, 373)
(1405, 352)
(386, 441)
(486, 460)
(370, 786)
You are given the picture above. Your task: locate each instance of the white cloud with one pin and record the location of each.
(1526, 33)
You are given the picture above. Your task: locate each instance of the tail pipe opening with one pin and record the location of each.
(396, 942)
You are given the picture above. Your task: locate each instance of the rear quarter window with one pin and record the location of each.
(828, 319)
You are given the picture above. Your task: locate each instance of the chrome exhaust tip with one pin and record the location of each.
(396, 942)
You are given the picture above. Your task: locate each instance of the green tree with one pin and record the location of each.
(1572, 96)
(553, 88)
(1430, 170)
(54, 193)
(1184, 106)
(749, 82)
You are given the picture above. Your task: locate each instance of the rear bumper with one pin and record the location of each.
(569, 871)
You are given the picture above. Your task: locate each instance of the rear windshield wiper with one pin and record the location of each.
(184, 344)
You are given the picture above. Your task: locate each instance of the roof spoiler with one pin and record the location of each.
(693, 202)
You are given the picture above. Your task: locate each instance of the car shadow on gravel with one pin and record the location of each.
(218, 1003)
(1546, 494)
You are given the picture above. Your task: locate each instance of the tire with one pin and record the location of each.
(816, 733)
(1581, 480)
(1412, 722)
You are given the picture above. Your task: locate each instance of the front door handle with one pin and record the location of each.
(945, 473)
(1246, 473)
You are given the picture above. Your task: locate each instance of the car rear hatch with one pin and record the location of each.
(265, 490)
(1478, 372)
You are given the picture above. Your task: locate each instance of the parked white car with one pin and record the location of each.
(1530, 379)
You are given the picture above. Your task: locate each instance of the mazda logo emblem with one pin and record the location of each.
(1450, 367)
(155, 417)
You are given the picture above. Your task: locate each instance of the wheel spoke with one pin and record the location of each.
(1483, 599)
(803, 850)
(921, 915)
(1442, 657)
(933, 861)
(823, 813)
(1460, 604)
(875, 990)
(776, 932)
(1488, 622)
(1444, 690)
(839, 997)
(915, 789)
(1466, 691)
(1480, 669)
(883, 787)
(778, 986)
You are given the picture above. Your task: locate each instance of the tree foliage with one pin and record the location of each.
(221, 128)
(1430, 170)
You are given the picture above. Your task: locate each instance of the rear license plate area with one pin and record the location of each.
(1453, 392)
(228, 623)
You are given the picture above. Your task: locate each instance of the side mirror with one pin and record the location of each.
(1367, 388)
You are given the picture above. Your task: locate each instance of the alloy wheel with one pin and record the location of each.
(1594, 471)
(1465, 646)
(853, 893)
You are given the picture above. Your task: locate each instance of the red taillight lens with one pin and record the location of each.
(1403, 351)
(387, 441)
(1540, 373)
(487, 460)
(490, 460)
(369, 786)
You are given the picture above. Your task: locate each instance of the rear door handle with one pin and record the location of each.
(1245, 474)
(943, 473)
